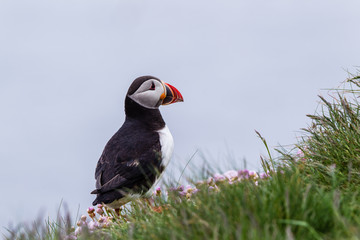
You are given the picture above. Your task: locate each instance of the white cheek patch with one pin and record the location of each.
(146, 97)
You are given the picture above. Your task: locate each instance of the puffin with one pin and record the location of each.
(135, 157)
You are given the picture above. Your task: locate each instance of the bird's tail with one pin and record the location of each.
(96, 191)
(95, 202)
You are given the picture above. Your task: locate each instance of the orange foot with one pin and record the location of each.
(158, 209)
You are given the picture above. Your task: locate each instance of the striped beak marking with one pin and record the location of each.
(170, 95)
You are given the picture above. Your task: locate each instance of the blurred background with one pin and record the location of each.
(65, 67)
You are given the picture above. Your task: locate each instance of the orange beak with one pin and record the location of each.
(171, 95)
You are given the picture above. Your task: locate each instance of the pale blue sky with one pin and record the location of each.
(65, 67)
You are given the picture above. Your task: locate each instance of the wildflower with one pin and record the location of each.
(182, 193)
(185, 191)
(243, 174)
(102, 221)
(92, 225)
(188, 196)
(83, 218)
(179, 190)
(172, 189)
(253, 175)
(211, 181)
(218, 177)
(188, 191)
(213, 188)
(90, 210)
(231, 175)
(195, 190)
(100, 211)
(191, 190)
(107, 224)
(158, 191)
(300, 153)
(264, 175)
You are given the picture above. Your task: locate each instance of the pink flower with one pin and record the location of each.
(253, 175)
(185, 191)
(231, 175)
(100, 211)
(213, 189)
(102, 219)
(179, 190)
(83, 218)
(158, 191)
(93, 225)
(300, 153)
(218, 177)
(243, 174)
(211, 181)
(188, 191)
(104, 222)
(195, 190)
(90, 210)
(264, 175)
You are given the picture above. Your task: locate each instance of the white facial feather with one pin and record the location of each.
(147, 97)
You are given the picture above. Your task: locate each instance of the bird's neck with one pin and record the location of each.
(151, 118)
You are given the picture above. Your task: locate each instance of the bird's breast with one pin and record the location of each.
(167, 145)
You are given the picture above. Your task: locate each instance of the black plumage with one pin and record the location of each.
(132, 159)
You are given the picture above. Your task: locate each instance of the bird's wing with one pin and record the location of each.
(110, 185)
(127, 174)
(127, 165)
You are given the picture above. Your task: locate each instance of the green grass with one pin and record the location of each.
(311, 194)
(281, 208)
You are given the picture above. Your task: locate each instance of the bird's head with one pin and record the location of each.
(150, 92)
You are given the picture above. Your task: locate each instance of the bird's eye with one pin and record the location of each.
(152, 86)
